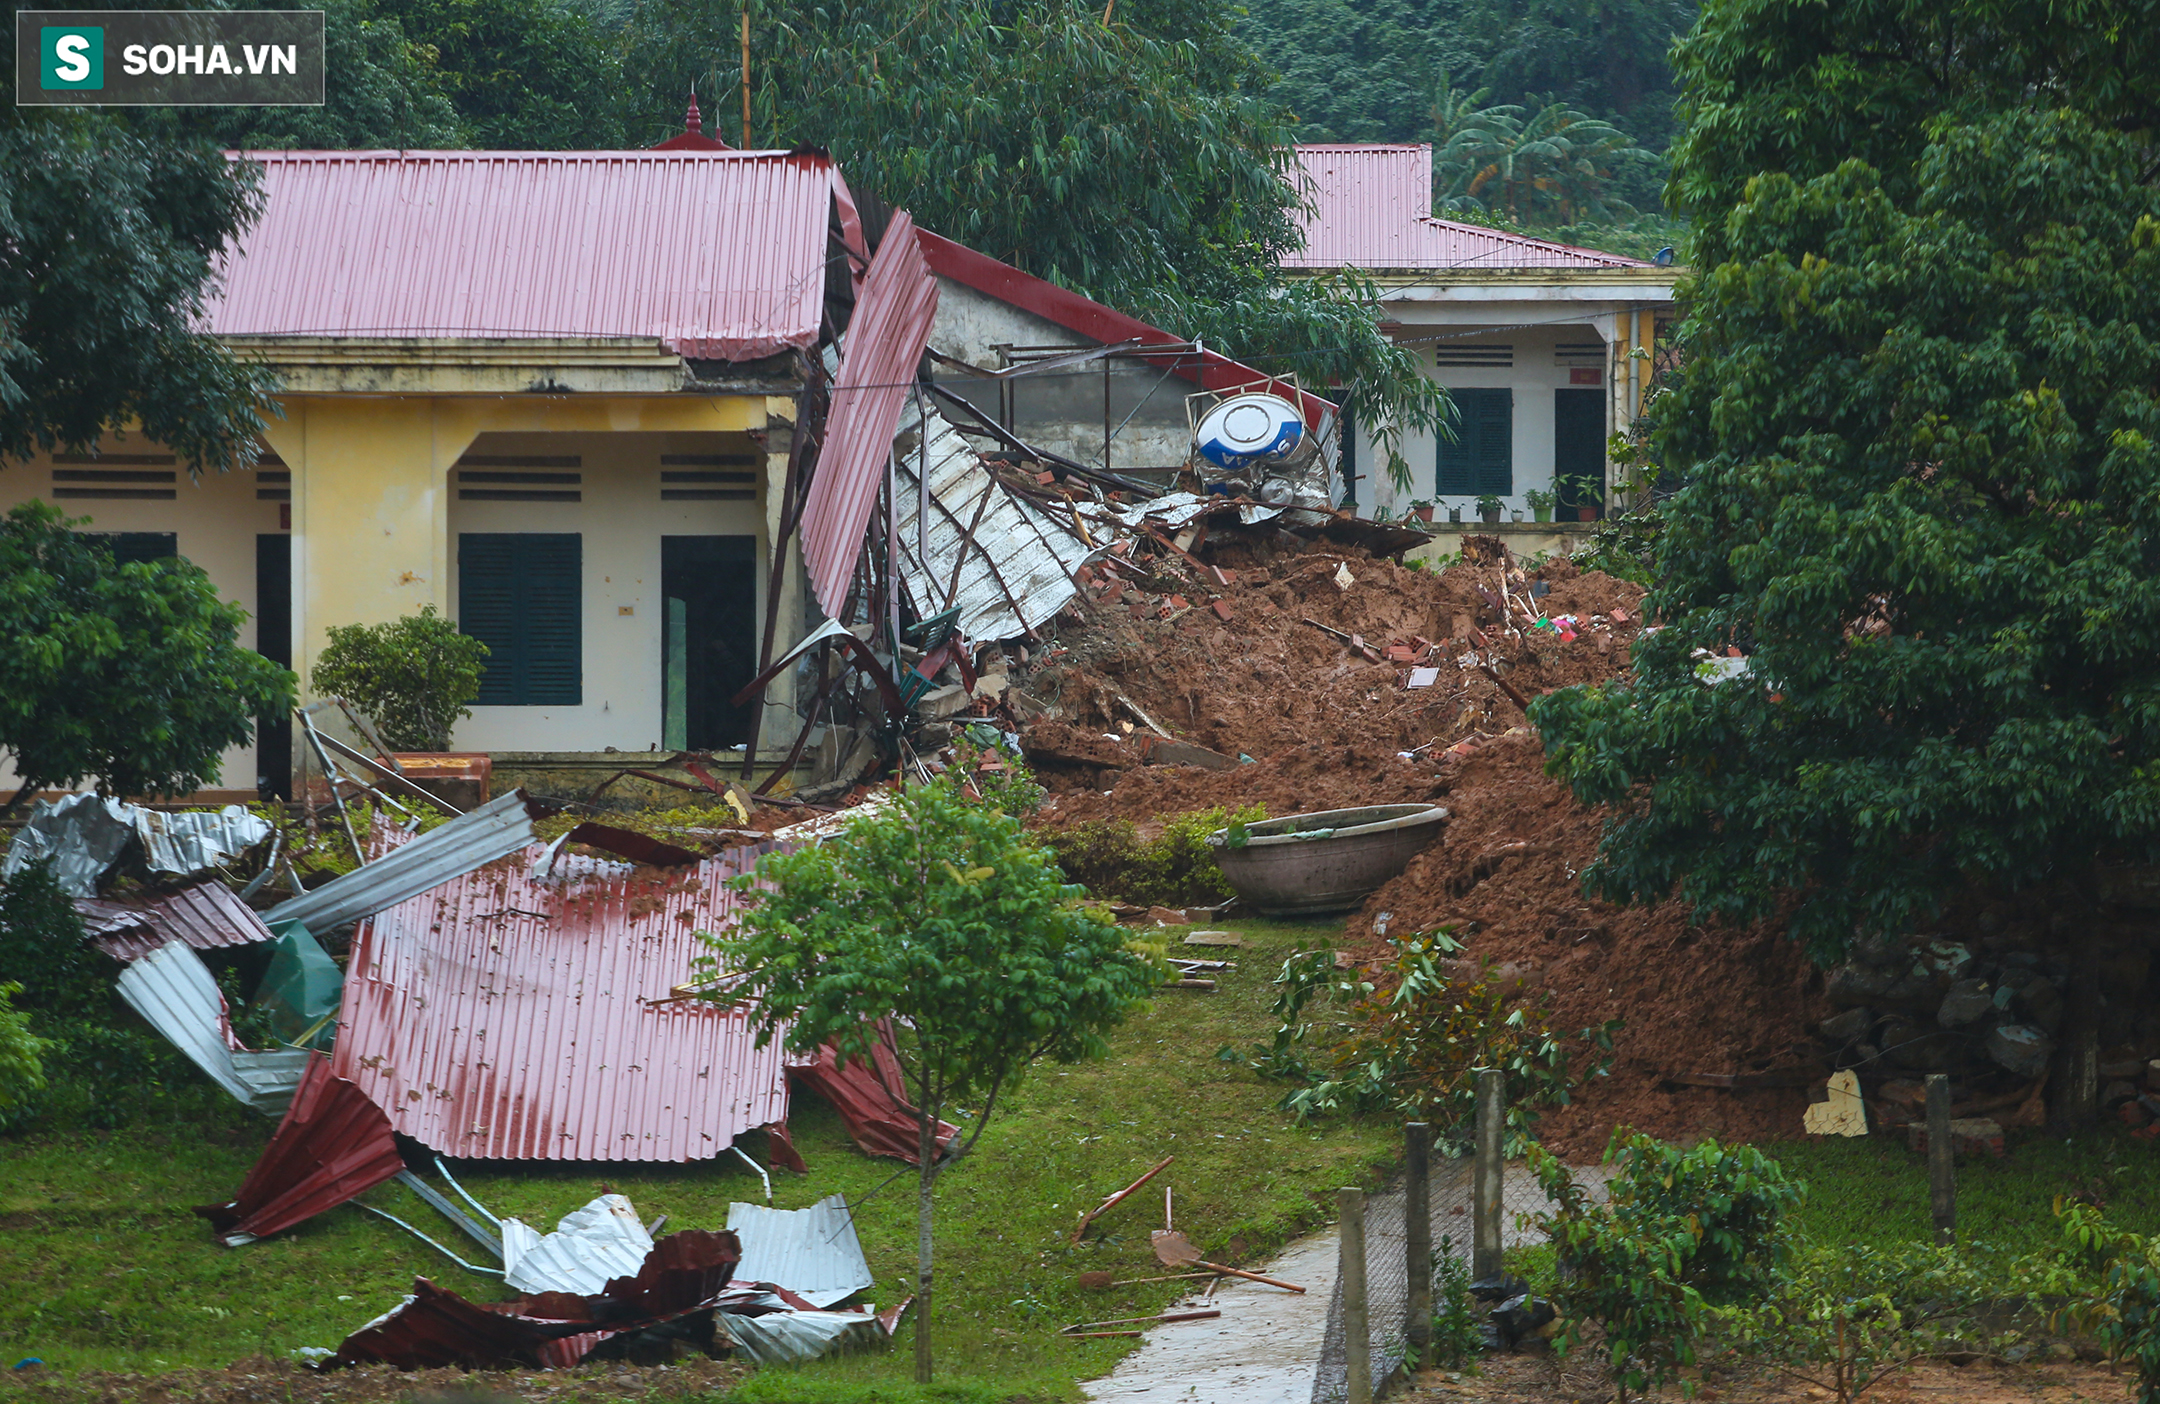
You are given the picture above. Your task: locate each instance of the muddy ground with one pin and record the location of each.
(1325, 726)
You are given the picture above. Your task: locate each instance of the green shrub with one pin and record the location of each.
(1174, 869)
(22, 1053)
(1412, 1046)
(2123, 1308)
(1686, 1232)
(1846, 1317)
(412, 677)
(42, 948)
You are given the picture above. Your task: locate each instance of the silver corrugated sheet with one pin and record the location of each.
(1021, 556)
(778, 1337)
(177, 994)
(86, 834)
(812, 1252)
(474, 840)
(603, 1240)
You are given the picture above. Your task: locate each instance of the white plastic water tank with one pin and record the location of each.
(1250, 429)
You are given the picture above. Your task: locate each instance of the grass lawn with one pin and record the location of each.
(109, 1269)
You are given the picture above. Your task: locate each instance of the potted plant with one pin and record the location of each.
(1488, 509)
(1587, 490)
(1421, 509)
(1541, 503)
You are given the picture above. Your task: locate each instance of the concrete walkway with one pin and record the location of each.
(1265, 1346)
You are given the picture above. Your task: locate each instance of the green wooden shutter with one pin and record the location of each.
(1482, 457)
(520, 593)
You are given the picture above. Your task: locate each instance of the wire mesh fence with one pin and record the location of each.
(1387, 1277)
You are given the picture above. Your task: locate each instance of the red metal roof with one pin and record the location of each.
(1091, 319)
(1372, 209)
(332, 1144)
(719, 255)
(883, 346)
(504, 1017)
(207, 916)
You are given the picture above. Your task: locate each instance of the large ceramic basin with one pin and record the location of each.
(1328, 861)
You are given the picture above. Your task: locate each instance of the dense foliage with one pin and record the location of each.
(130, 673)
(1411, 1044)
(938, 914)
(1919, 436)
(1174, 868)
(412, 676)
(107, 243)
(1685, 1232)
(1400, 70)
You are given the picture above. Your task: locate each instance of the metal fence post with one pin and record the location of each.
(1486, 1173)
(1357, 1329)
(1942, 1161)
(1417, 1237)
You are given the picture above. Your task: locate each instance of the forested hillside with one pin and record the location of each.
(1581, 91)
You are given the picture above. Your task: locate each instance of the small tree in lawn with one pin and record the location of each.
(412, 676)
(132, 673)
(940, 914)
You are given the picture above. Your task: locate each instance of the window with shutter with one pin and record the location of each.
(1482, 457)
(520, 594)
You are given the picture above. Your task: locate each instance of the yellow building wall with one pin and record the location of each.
(215, 521)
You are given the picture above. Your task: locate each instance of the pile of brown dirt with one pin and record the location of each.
(1313, 722)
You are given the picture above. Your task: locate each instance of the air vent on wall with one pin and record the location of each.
(707, 489)
(488, 477)
(1579, 353)
(273, 485)
(1488, 354)
(106, 483)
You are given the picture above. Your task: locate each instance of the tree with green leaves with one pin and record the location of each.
(108, 244)
(130, 673)
(941, 916)
(412, 676)
(1137, 161)
(1919, 433)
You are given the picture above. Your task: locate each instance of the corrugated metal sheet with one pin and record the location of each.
(207, 916)
(718, 255)
(83, 835)
(470, 841)
(172, 989)
(1372, 209)
(591, 1245)
(883, 346)
(812, 1252)
(333, 1144)
(1022, 549)
(501, 1016)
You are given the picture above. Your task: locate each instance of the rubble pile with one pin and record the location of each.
(1302, 717)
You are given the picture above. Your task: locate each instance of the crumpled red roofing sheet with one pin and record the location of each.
(207, 916)
(333, 1144)
(867, 1096)
(716, 255)
(500, 1016)
(685, 1272)
(883, 345)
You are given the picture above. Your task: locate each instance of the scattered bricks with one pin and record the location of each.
(1401, 653)
(1226, 575)
(1141, 609)
(1619, 616)
(1046, 477)
(1179, 602)
(1222, 610)
(1112, 591)
(1969, 1136)
(1168, 916)
(2133, 1114)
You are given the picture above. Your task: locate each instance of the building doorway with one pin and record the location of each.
(1579, 451)
(708, 639)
